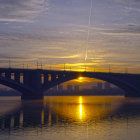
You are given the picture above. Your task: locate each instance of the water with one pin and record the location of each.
(70, 118)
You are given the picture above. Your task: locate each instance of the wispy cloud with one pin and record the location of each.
(128, 1)
(126, 29)
(21, 10)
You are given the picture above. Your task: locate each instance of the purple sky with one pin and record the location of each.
(54, 32)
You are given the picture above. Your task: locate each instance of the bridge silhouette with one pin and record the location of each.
(32, 83)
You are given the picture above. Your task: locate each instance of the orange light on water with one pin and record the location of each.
(81, 111)
(80, 100)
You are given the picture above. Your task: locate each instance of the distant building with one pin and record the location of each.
(94, 87)
(3, 89)
(54, 88)
(69, 88)
(107, 85)
(99, 85)
(60, 88)
(76, 88)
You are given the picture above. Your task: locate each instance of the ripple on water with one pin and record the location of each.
(71, 117)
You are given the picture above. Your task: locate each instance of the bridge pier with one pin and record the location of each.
(17, 77)
(32, 79)
(46, 78)
(34, 96)
(132, 94)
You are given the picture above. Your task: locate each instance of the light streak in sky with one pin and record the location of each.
(88, 30)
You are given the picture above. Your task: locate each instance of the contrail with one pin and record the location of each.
(88, 30)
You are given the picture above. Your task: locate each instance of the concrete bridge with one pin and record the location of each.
(32, 83)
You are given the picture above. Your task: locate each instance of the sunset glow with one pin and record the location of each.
(57, 36)
(74, 68)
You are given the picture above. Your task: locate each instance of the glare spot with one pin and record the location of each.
(80, 78)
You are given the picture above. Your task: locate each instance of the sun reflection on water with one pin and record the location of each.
(80, 109)
(80, 100)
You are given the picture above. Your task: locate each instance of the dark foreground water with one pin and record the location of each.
(70, 118)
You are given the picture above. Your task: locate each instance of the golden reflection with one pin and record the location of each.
(42, 117)
(79, 109)
(80, 100)
(50, 119)
(21, 118)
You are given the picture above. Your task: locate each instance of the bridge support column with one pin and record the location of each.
(17, 77)
(132, 94)
(46, 78)
(8, 75)
(33, 80)
(53, 78)
(33, 96)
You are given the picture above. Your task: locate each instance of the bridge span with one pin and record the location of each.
(33, 82)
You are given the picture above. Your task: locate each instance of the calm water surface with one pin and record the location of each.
(70, 118)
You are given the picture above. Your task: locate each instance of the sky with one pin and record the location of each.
(58, 32)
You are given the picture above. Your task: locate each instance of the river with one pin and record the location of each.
(70, 118)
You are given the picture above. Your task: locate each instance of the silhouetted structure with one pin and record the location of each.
(69, 88)
(95, 90)
(60, 88)
(32, 83)
(76, 88)
(99, 85)
(107, 85)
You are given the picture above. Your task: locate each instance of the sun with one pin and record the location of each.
(80, 78)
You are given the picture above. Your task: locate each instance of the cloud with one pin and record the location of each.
(130, 29)
(128, 1)
(21, 10)
(132, 9)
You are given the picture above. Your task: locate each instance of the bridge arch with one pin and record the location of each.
(32, 87)
(14, 85)
(128, 88)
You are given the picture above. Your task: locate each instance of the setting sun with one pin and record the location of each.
(80, 78)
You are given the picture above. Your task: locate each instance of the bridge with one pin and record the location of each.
(32, 83)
